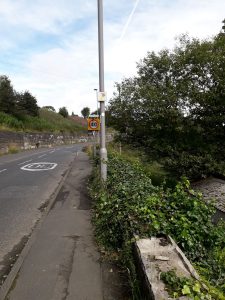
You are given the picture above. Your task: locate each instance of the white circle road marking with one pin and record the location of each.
(41, 166)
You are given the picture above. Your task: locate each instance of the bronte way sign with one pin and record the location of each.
(40, 166)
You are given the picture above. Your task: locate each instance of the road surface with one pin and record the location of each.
(27, 181)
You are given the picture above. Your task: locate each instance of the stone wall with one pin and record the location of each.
(23, 141)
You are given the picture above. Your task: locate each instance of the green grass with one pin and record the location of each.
(13, 150)
(155, 170)
(47, 121)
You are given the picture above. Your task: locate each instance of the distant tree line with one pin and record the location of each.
(175, 107)
(20, 104)
(15, 103)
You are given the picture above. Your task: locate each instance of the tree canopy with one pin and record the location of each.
(63, 112)
(85, 112)
(7, 96)
(175, 106)
(49, 107)
(14, 103)
(26, 104)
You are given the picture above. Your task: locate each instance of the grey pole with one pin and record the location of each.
(97, 132)
(96, 91)
(103, 151)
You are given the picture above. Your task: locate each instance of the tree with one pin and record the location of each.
(26, 104)
(174, 107)
(223, 27)
(7, 96)
(50, 108)
(85, 112)
(63, 112)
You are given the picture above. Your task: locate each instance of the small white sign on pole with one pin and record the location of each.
(101, 96)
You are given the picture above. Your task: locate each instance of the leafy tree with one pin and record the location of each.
(49, 107)
(85, 112)
(223, 27)
(7, 97)
(174, 107)
(26, 104)
(64, 112)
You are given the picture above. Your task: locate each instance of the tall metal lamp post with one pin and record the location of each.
(101, 98)
(97, 113)
(96, 91)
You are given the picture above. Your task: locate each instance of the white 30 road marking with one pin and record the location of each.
(24, 162)
(3, 170)
(40, 166)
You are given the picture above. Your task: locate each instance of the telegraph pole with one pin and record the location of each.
(101, 97)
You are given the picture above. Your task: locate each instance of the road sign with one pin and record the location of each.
(101, 96)
(94, 124)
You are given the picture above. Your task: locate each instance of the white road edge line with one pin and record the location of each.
(24, 162)
(42, 155)
(3, 170)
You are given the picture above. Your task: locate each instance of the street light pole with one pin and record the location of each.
(103, 151)
(96, 91)
(97, 113)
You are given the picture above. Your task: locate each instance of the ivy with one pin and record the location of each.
(128, 203)
(183, 286)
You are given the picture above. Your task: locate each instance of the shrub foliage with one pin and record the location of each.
(174, 107)
(129, 203)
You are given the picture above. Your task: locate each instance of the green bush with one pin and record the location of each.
(194, 166)
(128, 203)
(10, 121)
(183, 286)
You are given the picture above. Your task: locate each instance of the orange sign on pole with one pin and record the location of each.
(94, 124)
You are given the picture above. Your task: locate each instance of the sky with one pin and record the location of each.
(50, 47)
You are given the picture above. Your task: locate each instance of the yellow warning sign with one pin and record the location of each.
(94, 124)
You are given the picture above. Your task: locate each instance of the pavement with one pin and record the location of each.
(62, 261)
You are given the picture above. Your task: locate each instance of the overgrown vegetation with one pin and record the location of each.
(20, 112)
(128, 203)
(47, 121)
(174, 108)
(193, 289)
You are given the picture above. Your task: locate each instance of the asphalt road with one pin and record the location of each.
(27, 181)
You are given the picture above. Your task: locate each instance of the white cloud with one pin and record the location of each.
(64, 72)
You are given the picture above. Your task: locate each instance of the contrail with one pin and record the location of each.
(128, 21)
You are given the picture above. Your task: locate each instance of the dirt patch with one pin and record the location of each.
(10, 259)
(85, 200)
(115, 281)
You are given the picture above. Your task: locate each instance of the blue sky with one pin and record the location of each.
(49, 47)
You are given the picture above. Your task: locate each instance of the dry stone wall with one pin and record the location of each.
(23, 141)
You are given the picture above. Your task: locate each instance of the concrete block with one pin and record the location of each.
(157, 255)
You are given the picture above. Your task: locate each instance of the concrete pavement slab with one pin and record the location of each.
(64, 262)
